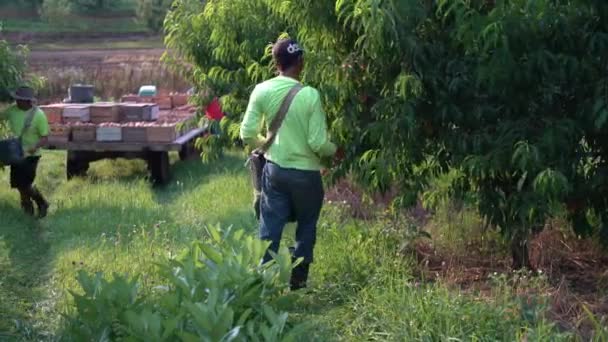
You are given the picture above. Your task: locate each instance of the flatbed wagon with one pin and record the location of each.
(156, 155)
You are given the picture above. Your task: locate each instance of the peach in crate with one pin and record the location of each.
(59, 133)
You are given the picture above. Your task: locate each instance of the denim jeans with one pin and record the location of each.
(286, 192)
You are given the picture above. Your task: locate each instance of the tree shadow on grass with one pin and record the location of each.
(24, 265)
(90, 222)
(188, 175)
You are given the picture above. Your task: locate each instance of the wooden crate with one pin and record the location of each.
(109, 133)
(76, 113)
(136, 112)
(83, 133)
(59, 133)
(54, 113)
(179, 100)
(146, 99)
(164, 102)
(134, 134)
(129, 98)
(154, 112)
(162, 134)
(104, 112)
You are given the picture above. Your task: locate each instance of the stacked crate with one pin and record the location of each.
(84, 132)
(76, 113)
(163, 132)
(59, 133)
(136, 112)
(179, 100)
(135, 132)
(109, 132)
(54, 113)
(104, 112)
(139, 120)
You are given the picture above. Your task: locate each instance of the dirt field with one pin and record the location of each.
(38, 59)
(112, 72)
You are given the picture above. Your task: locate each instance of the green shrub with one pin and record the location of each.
(153, 12)
(12, 67)
(215, 291)
(56, 11)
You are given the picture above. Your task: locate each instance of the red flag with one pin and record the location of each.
(214, 110)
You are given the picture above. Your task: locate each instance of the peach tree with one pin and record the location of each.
(507, 97)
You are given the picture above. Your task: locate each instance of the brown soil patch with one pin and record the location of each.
(576, 269)
(75, 58)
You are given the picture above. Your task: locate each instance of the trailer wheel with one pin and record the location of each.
(159, 167)
(76, 166)
(189, 151)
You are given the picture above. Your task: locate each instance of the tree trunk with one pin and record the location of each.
(520, 250)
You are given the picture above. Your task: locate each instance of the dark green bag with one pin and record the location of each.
(11, 150)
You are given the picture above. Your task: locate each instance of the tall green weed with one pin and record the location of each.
(216, 290)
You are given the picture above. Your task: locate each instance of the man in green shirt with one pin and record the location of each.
(33, 138)
(291, 180)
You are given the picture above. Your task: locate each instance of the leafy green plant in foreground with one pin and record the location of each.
(217, 290)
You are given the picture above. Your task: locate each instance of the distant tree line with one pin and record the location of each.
(151, 12)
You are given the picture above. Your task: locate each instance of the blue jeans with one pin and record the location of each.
(286, 192)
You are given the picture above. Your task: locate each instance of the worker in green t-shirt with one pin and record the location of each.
(33, 138)
(291, 182)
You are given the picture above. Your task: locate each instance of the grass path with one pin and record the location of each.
(113, 221)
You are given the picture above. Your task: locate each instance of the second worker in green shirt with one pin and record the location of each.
(291, 182)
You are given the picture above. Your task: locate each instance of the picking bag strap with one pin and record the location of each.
(278, 119)
(28, 121)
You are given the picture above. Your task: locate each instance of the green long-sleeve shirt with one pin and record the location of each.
(303, 138)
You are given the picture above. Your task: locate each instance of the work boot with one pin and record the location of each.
(43, 205)
(28, 207)
(26, 202)
(299, 277)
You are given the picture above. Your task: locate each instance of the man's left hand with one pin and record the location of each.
(339, 156)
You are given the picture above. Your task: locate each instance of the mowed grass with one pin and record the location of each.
(113, 221)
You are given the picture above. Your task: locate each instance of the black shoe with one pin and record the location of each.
(43, 209)
(28, 207)
(43, 205)
(299, 277)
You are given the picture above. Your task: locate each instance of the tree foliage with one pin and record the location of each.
(153, 12)
(29, 4)
(507, 96)
(12, 67)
